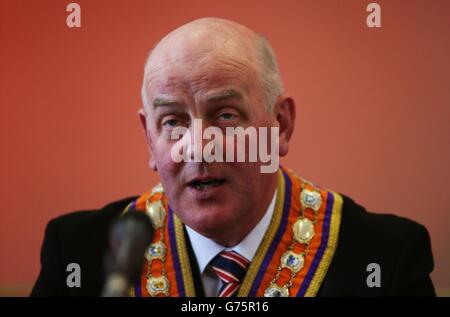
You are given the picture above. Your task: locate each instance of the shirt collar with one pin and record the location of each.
(206, 249)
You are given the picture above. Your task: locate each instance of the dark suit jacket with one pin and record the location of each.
(399, 246)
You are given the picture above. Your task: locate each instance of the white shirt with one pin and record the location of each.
(206, 249)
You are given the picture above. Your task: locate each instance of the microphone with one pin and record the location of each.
(129, 239)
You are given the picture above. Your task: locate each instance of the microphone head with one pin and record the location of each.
(129, 239)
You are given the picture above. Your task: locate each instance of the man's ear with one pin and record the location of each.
(285, 115)
(143, 120)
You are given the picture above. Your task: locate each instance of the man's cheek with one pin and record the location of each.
(166, 165)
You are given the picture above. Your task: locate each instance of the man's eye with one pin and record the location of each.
(171, 123)
(227, 116)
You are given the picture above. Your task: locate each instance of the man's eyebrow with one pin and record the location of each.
(225, 94)
(162, 101)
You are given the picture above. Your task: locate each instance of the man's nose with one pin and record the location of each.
(196, 143)
(206, 142)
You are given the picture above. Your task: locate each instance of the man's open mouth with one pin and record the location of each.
(205, 184)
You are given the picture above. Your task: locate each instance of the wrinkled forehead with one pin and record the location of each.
(198, 65)
(199, 77)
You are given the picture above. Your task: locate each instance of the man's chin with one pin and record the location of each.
(210, 222)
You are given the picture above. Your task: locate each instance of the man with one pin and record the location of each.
(225, 228)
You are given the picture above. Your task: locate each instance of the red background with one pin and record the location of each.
(373, 108)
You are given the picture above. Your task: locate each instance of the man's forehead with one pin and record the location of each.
(218, 78)
(195, 59)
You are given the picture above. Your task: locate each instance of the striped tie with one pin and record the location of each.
(230, 267)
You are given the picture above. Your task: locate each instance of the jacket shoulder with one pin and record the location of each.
(396, 246)
(357, 220)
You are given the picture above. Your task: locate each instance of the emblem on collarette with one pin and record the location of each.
(158, 286)
(275, 290)
(155, 251)
(155, 210)
(303, 230)
(293, 261)
(157, 189)
(311, 199)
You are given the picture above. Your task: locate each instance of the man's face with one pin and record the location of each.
(215, 198)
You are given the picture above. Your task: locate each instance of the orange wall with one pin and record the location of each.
(373, 107)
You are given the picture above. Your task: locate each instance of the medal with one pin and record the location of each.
(155, 210)
(303, 230)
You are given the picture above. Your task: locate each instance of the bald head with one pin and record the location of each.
(202, 42)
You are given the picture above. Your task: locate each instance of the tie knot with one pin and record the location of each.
(230, 267)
